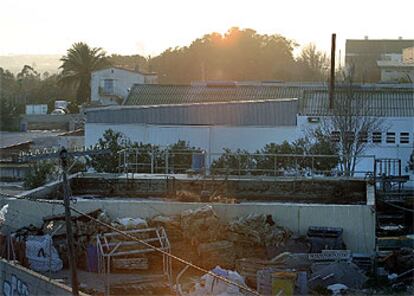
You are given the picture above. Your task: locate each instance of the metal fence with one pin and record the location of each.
(165, 161)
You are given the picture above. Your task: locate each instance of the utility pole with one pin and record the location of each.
(332, 77)
(69, 234)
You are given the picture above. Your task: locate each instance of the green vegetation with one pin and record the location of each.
(179, 156)
(78, 64)
(39, 174)
(27, 87)
(239, 54)
(230, 162)
(264, 161)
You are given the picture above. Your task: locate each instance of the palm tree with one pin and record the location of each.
(78, 64)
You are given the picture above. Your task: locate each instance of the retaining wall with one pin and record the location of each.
(19, 281)
(358, 221)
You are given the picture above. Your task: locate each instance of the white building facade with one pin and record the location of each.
(250, 125)
(112, 85)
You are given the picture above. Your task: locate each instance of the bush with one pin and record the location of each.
(115, 142)
(39, 174)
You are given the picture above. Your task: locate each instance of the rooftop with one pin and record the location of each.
(373, 99)
(276, 112)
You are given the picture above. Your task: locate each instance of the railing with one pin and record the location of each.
(166, 161)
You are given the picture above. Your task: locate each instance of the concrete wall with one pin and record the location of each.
(19, 281)
(59, 141)
(358, 221)
(49, 122)
(308, 190)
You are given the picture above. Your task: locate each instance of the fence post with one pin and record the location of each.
(136, 160)
(152, 159)
(313, 165)
(238, 159)
(166, 160)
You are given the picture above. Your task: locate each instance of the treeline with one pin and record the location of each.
(236, 55)
(28, 87)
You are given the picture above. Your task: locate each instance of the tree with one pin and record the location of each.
(78, 64)
(115, 142)
(39, 174)
(348, 125)
(239, 54)
(312, 64)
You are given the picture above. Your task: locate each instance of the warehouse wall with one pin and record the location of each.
(358, 221)
(211, 138)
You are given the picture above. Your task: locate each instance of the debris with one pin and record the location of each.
(187, 196)
(248, 267)
(209, 285)
(342, 272)
(3, 213)
(130, 263)
(330, 256)
(392, 276)
(200, 225)
(302, 283)
(129, 223)
(276, 282)
(337, 289)
(219, 251)
(325, 238)
(363, 261)
(42, 255)
(171, 224)
(54, 227)
(257, 230)
(142, 285)
(295, 244)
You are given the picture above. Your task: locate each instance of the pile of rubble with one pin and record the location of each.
(252, 250)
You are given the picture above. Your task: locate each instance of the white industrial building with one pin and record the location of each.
(248, 117)
(111, 86)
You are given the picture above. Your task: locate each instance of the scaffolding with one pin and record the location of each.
(113, 244)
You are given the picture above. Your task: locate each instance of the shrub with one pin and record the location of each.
(39, 174)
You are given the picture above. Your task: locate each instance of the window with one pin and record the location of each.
(376, 137)
(404, 138)
(335, 136)
(390, 138)
(363, 137)
(350, 136)
(109, 86)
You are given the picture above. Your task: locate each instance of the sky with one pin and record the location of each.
(149, 27)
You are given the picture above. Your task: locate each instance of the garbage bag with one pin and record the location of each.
(41, 253)
(210, 285)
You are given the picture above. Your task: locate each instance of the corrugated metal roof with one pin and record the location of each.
(389, 103)
(281, 112)
(381, 100)
(145, 94)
